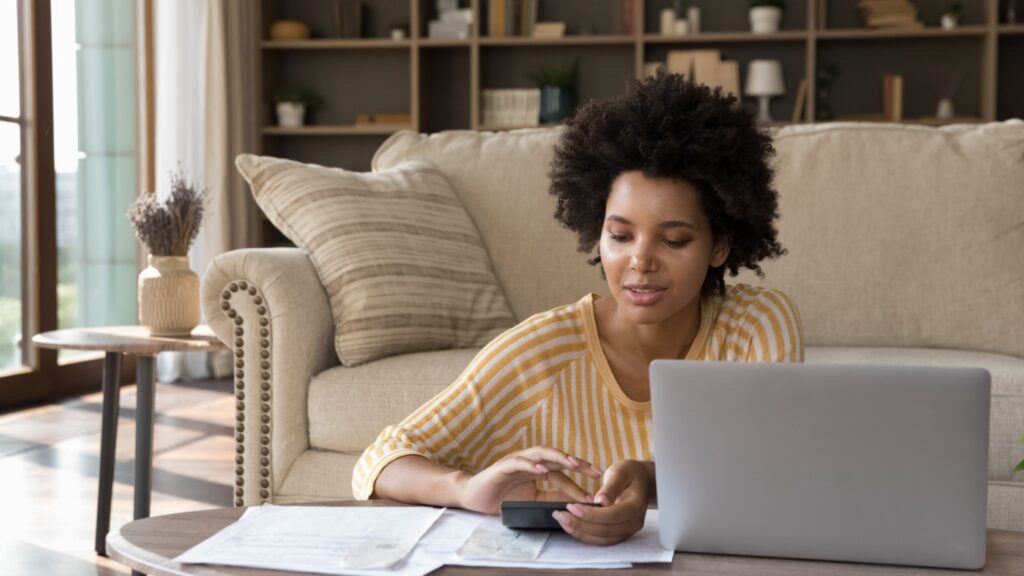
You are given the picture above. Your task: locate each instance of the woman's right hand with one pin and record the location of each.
(515, 477)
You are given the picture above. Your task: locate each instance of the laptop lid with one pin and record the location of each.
(879, 464)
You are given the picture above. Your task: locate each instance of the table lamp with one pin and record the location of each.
(764, 80)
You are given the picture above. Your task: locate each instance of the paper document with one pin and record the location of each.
(326, 540)
(405, 541)
(496, 542)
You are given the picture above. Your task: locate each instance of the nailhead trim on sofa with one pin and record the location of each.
(241, 287)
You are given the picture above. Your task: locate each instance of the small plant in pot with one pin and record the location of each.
(766, 15)
(291, 104)
(951, 17)
(557, 83)
(168, 288)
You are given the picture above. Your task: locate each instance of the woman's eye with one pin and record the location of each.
(676, 243)
(617, 237)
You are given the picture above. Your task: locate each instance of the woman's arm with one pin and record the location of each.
(417, 480)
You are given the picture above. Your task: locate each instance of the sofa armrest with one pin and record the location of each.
(269, 307)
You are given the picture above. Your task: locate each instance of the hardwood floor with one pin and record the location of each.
(49, 461)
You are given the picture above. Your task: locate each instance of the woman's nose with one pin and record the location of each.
(643, 259)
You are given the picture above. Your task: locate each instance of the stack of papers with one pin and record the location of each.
(404, 541)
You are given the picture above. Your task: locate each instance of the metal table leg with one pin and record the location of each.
(108, 446)
(145, 367)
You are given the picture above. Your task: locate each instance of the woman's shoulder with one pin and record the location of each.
(566, 319)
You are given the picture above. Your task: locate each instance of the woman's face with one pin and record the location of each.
(656, 247)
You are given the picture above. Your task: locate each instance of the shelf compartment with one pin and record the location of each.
(1010, 29)
(783, 36)
(881, 33)
(336, 44)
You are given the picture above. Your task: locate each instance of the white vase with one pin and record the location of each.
(945, 109)
(168, 296)
(290, 114)
(949, 22)
(765, 19)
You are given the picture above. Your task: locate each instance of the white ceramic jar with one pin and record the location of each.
(168, 296)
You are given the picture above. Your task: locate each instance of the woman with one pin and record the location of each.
(671, 182)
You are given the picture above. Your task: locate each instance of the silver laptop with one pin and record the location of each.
(878, 464)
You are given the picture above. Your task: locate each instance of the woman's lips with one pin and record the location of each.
(644, 296)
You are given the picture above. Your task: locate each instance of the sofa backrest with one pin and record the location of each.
(898, 235)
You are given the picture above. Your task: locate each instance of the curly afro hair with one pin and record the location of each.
(669, 127)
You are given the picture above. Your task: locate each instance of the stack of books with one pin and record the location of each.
(703, 67)
(511, 108)
(889, 14)
(507, 18)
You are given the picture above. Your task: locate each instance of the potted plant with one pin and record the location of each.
(399, 29)
(557, 83)
(168, 288)
(765, 15)
(1020, 465)
(951, 17)
(291, 103)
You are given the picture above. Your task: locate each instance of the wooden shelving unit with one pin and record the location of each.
(439, 82)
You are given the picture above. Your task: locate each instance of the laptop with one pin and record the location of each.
(857, 463)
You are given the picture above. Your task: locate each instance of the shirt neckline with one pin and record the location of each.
(696, 351)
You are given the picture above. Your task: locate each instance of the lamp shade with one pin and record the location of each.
(764, 78)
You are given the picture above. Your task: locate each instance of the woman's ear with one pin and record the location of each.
(720, 253)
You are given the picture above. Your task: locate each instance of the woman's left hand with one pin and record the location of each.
(625, 489)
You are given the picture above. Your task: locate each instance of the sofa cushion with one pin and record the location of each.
(348, 407)
(1007, 411)
(502, 180)
(402, 263)
(903, 236)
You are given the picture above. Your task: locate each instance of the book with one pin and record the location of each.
(892, 97)
(801, 99)
(680, 62)
(549, 30)
(729, 77)
(705, 67)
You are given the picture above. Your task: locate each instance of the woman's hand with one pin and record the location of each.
(515, 477)
(624, 493)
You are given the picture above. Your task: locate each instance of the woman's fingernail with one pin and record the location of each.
(574, 461)
(602, 499)
(562, 517)
(596, 470)
(542, 468)
(575, 510)
(589, 498)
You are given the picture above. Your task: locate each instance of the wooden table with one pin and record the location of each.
(116, 341)
(148, 546)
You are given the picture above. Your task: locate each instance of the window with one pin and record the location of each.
(68, 172)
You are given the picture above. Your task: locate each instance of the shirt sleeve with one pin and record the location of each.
(776, 333)
(480, 416)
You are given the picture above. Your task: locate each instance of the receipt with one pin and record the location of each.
(491, 541)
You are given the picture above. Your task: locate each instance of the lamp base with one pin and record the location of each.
(764, 114)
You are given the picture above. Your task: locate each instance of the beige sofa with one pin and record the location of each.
(904, 243)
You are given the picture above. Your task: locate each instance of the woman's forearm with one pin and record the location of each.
(416, 480)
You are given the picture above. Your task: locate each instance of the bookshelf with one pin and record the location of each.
(438, 82)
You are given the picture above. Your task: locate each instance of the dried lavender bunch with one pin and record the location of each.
(168, 228)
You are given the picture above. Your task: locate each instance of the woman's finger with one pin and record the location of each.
(567, 461)
(598, 534)
(564, 484)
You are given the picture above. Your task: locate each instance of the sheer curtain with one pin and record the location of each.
(204, 52)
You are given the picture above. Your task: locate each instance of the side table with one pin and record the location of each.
(116, 341)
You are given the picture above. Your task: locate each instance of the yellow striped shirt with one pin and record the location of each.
(546, 382)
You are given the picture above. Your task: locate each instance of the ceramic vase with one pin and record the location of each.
(290, 114)
(556, 103)
(765, 19)
(168, 296)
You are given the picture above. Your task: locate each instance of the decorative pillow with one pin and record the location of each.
(402, 263)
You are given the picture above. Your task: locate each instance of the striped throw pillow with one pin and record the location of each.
(402, 263)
